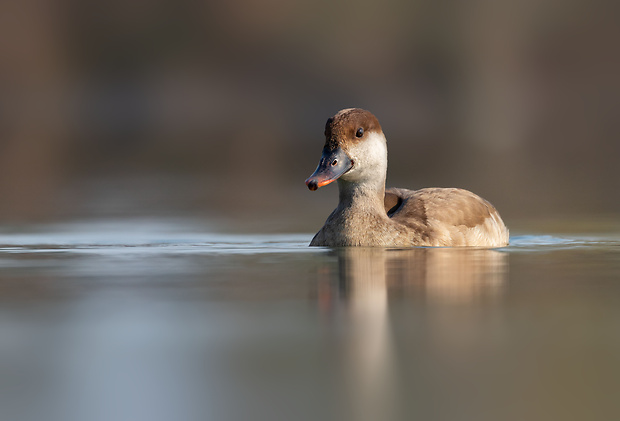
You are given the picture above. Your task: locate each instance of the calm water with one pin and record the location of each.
(169, 321)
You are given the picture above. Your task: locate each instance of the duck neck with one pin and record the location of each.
(368, 194)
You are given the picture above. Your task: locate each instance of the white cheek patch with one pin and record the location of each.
(369, 157)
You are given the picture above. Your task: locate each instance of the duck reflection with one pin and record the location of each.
(368, 280)
(440, 275)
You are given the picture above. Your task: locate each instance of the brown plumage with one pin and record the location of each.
(355, 154)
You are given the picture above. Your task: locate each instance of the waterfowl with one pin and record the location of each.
(355, 154)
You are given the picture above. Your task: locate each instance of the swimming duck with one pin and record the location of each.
(355, 154)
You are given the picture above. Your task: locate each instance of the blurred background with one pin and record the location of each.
(216, 109)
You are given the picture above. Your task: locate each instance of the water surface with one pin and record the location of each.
(169, 320)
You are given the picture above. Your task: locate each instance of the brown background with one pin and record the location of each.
(216, 109)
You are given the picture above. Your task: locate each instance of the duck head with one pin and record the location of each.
(355, 150)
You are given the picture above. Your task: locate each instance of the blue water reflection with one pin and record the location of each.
(164, 322)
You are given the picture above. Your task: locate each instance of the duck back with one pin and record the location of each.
(447, 217)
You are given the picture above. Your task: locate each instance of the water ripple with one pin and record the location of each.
(166, 238)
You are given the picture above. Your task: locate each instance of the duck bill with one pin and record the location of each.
(332, 165)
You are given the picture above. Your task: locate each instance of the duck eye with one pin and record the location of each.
(359, 133)
(334, 162)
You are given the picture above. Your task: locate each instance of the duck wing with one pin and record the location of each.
(447, 216)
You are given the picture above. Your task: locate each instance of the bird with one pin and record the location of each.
(369, 215)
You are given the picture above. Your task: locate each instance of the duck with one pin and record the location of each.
(369, 215)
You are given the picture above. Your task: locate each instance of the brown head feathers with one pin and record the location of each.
(349, 126)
